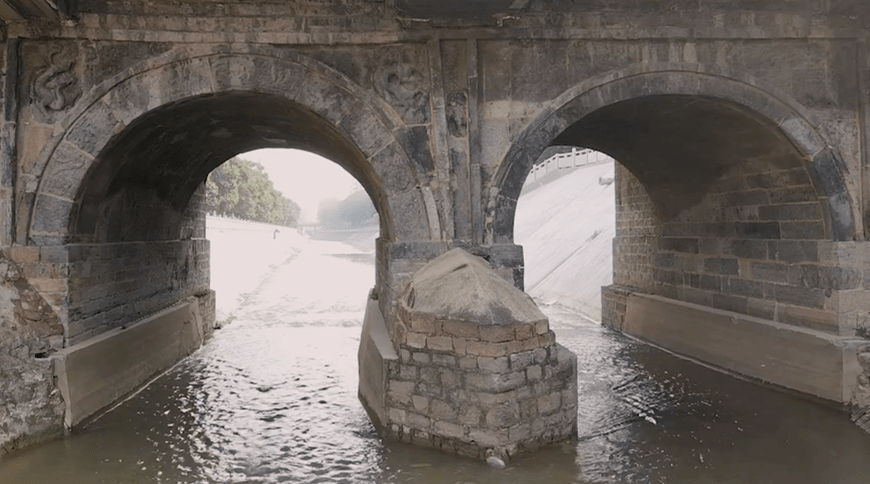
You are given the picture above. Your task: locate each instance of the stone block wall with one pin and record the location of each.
(193, 219)
(116, 284)
(395, 263)
(507, 261)
(754, 245)
(614, 302)
(47, 271)
(111, 285)
(207, 309)
(636, 232)
(31, 408)
(8, 122)
(464, 389)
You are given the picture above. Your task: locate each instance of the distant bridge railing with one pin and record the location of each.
(564, 161)
(222, 222)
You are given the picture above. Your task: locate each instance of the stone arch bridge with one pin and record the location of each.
(741, 131)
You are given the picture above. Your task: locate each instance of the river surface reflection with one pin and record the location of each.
(272, 398)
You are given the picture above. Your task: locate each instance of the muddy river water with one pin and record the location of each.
(272, 398)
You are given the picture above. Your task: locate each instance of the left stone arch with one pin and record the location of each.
(75, 166)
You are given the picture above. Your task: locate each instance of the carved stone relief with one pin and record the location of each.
(56, 87)
(402, 87)
(457, 114)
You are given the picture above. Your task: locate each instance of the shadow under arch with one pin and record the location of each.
(139, 186)
(677, 132)
(310, 106)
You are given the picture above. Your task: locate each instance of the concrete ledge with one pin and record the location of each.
(96, 373)
(375, 354)
(816, 363)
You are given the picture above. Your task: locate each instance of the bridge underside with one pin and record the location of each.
(742, 179)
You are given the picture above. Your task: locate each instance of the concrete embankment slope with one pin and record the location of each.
(566, 228)
(360, 238)
(242, 255)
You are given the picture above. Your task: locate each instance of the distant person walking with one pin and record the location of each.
(275, 234)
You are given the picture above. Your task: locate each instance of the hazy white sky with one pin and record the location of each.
(304, 177)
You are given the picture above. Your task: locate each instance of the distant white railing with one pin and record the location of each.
(565, 161)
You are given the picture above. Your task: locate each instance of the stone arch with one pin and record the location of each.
(773, 110)
(364, 133)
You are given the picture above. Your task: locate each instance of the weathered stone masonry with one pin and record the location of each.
(116, 284)
(477, 368)
(31, 409)
(741, 130)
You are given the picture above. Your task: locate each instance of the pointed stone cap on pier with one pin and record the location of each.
(458, 286)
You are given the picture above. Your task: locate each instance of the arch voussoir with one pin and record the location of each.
(410, 216)
(256, 73)
(414, 141)
(328, 100)
(826, 171)
(94, 129)
(177, 81)
(69, 163)
(390, 166)
(803, 136)
(365, 130)
(51, 219)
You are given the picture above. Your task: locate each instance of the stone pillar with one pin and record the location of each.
(472, 366)
(9, 76)
(31, 408)
(614, 302)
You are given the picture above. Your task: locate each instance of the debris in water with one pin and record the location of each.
(495, 462)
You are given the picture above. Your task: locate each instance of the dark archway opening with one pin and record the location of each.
(714, 205)
(147, 175)
(679, 147)
(140, 219)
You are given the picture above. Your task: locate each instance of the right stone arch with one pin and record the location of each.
(584, 114)
(736, 236)
(727, 196)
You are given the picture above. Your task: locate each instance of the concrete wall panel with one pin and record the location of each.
(95, 374)
(802, 360)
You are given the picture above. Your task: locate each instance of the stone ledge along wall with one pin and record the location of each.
(31, 407)
(479, 370)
